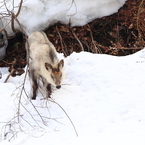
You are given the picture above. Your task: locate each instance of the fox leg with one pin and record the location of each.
(34, 85)
(49, 91)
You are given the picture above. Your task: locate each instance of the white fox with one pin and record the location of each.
(43, 62)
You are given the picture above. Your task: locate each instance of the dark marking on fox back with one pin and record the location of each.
(52, 55)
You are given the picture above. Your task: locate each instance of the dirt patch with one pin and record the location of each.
(119, 34)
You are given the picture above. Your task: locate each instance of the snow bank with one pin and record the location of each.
(102, 94)
(39, 14)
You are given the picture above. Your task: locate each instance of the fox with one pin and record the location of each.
(43, 63)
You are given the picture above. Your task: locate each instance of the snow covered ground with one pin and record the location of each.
(103, 95)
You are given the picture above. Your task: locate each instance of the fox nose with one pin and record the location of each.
(58, 87)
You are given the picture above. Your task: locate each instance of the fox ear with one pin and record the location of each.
(61, 63)
(48, 66)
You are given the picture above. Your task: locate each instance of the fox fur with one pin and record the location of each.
(43, 62)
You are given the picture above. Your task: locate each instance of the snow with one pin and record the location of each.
(103, 96)
(39, 14)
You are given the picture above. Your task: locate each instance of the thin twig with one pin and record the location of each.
(20, 6)
(14, 16)
(61, 41)
(82, 48)
(3, 29)
(97, 49)
(12, 71)
(66, 115)
(71, 7)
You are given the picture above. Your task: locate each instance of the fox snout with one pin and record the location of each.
(58, 87)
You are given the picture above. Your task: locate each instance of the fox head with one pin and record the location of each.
(56, 73)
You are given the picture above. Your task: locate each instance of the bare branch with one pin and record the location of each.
(97, 49)
(66, 115)
(14, 16)
(73, 1)
(12, 23)
(78, 40)
(3, 29)
(12, 70)
(61, 41)
(20, 6)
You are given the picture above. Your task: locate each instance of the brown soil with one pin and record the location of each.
(119, 34)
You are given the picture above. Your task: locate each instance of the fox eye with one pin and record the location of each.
(52, 77)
